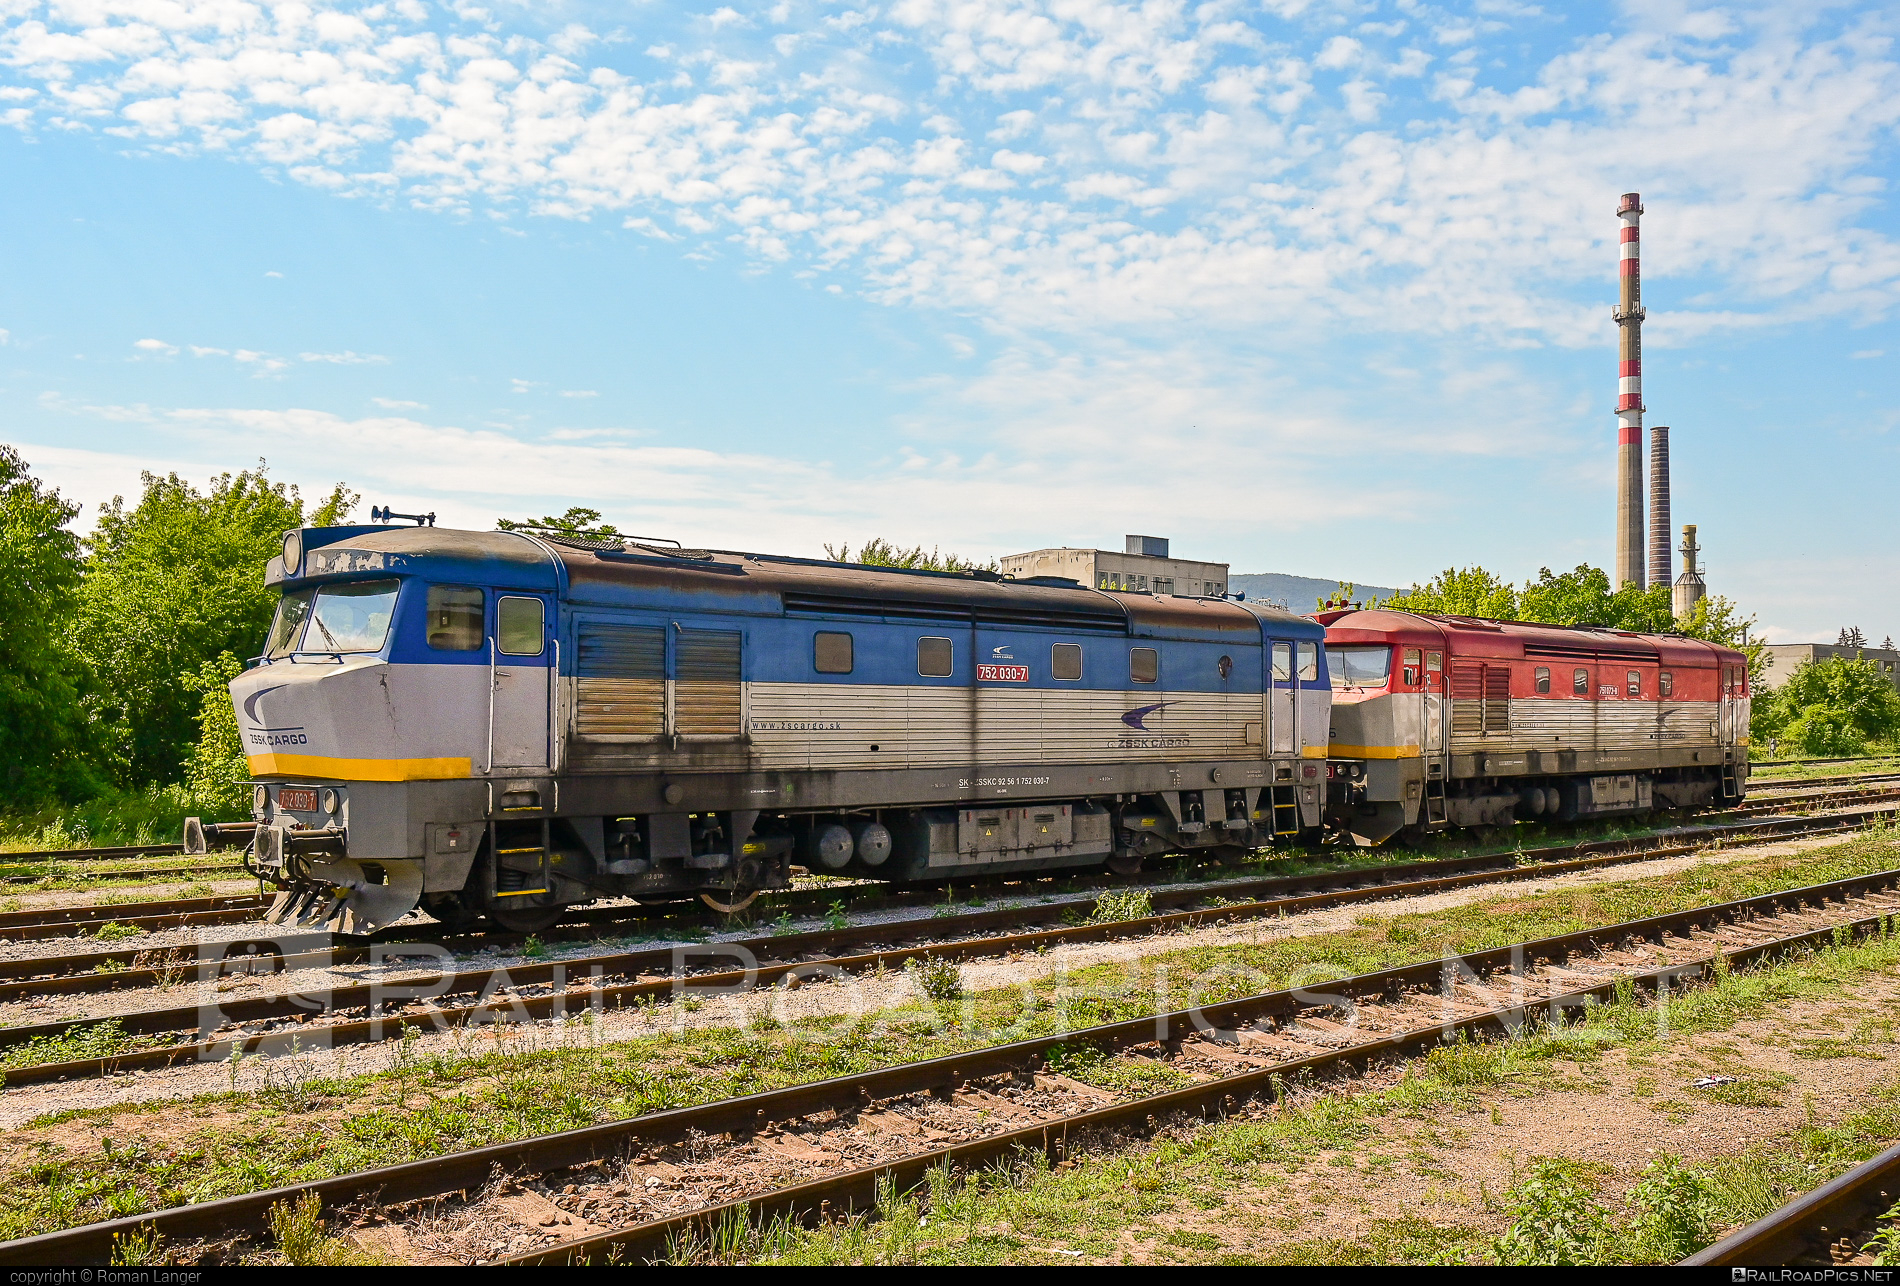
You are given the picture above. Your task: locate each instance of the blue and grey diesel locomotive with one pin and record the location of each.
(505, 724)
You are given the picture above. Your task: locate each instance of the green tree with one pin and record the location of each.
(1584, 597)
(1829, 707)
(218, 768)
(1460, 591)
(41, 726)
(879, 552)
(169, 585)
(577, 521)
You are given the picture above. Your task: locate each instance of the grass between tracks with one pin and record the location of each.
(1168, 1198)
(283, 1121)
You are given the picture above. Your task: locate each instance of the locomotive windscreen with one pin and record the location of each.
(1358, 666)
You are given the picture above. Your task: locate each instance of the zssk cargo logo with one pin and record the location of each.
(270, 736)
(1137, 719)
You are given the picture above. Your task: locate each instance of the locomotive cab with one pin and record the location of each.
(1458, 721)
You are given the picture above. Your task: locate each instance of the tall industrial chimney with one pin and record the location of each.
(1660, 571)
(1689, 588)
(1629, 400)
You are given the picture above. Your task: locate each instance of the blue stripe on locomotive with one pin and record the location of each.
(779, 649)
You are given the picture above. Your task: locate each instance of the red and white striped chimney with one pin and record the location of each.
(1629, 399)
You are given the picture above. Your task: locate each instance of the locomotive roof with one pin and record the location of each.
(611, 573)
(1477, 636)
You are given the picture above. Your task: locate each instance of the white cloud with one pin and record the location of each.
(394, 404)
(344, 358)
(1185, 166)
(1860, 356)
(579, 392)
(154, 346)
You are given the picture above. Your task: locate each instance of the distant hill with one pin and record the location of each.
(1300, 593)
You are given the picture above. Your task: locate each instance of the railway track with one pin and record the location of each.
(1826, 1226)
(297, 1019)
(226, 870)
(983, 1106)
(158, 916)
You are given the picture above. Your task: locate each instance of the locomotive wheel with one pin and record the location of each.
(730, 908)
(526, 919)
(1124, 863)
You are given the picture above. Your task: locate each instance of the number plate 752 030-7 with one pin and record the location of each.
(296, 799)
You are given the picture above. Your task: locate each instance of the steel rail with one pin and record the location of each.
(79, 972)
(790, 951)
(161, 873)
(472, 1168)
(164, 914)
(857, 1190)
(1798, 1232)
(786, 955)
(45, 922)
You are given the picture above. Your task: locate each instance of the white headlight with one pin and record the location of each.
(260, 800)
(329, 800)
(293, 552)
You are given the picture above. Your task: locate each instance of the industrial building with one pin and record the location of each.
(1144, 564)
(1784, 657)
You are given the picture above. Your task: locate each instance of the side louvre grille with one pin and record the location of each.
(706, 691)
(1497, 698)
(621, 677)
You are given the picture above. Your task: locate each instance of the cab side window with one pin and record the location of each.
(1543, 679)
(1666, 684)
(521, 626)
(1065, 660)
(1144, 665)
(1580, 683)
(1309, 661)
(455, 618)
(1283, 663)
(831, 653)
(1414, 672)
(935, 657)
(1635, 683)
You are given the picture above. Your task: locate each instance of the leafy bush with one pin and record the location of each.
(1828, 708)
(1122, 904)
(937, 978)
(1554, 1220)
(1674, 1212)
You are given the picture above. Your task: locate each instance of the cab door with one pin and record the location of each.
(1729, 704)
(521, 665)
(1434, 730)
(1283, 704)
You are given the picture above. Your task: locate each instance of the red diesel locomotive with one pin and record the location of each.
(1443, 721)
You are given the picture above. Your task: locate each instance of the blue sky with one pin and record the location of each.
(1311, 287)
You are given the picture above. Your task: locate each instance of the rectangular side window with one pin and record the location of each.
(1065, 660)
(1413, 671)
(1543, 679)
(521, 626)
(935, 658)
(1434, 669)
(1283, 663)
(1309, 662)
(455, 618)
(1666, 684)
(1580, 683)
(831, 653)
(1144, 665)
(1635, 684)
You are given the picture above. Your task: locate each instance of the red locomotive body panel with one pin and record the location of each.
(1463, 721)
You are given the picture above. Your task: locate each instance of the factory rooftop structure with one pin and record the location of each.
(1143, 564)
(1784, 657)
